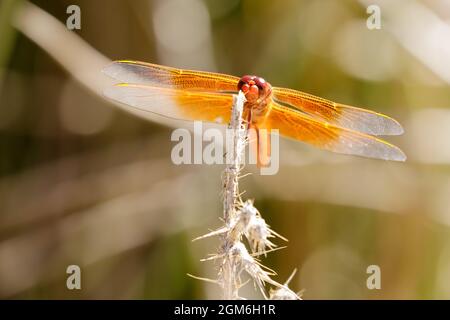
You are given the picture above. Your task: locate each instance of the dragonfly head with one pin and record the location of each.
(255, 89)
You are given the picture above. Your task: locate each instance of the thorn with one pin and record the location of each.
(244, 175)
(212, 233)
(279, 235)
(214, 257)
(260, 253)
(290, 277)
(202, 279)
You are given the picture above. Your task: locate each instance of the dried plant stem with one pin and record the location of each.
(231, 199)
(242, 219)
(231, 174)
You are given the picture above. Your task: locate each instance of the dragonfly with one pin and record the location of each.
(207, 96)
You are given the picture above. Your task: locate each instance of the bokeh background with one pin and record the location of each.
(84, 181)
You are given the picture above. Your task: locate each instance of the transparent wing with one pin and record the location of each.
(299, 126)
(174, 103)
(338, 114)
(156, 75)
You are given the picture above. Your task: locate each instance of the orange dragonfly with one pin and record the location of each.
(206, 96)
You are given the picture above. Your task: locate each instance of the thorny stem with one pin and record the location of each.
(231, 174)
(230, 281)
(242, 219)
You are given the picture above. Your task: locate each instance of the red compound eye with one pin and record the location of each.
(245, 88)
(260, 82)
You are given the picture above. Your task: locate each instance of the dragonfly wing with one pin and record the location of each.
(297, 125)
(156, 75)
(174, 103)
(338, 114)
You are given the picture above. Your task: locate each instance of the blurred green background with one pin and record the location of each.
(85, 182)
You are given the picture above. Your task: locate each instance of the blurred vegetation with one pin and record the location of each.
(83, 182)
